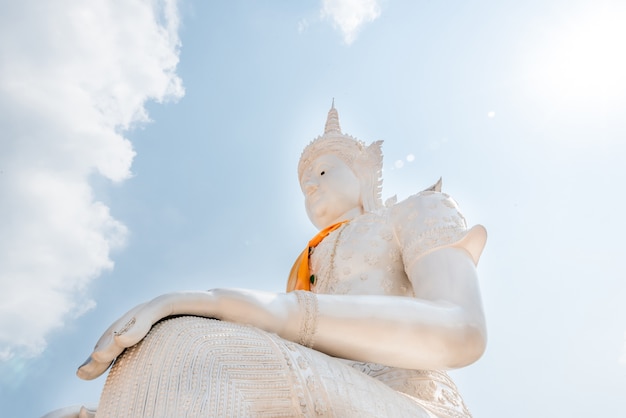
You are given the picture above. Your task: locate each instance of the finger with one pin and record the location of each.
(138, 327)
(107, 348)
(135, 329)
(107, 335)
(91, 369)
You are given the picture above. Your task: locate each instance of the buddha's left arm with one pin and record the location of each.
(443, 327)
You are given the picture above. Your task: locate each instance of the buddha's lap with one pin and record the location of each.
(191, 366)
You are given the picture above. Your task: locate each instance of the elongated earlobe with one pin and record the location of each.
(369, 165)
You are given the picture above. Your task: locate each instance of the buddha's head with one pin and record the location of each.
(339, 173)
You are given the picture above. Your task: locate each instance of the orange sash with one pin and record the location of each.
(299, 276)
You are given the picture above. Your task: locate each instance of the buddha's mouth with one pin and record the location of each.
(314, 197)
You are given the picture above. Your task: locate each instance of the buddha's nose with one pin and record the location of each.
(310, 187)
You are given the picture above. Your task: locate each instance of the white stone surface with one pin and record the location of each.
(396, 295)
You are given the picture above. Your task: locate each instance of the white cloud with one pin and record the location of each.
(350, 15)
(74, 75)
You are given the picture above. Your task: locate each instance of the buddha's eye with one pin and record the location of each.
(322, 173)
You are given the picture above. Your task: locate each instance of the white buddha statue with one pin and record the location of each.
(378, 306)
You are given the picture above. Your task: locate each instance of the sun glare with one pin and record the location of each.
(582, 58)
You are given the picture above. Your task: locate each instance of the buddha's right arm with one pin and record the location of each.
(397, 331)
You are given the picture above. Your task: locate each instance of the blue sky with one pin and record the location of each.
(148, 149)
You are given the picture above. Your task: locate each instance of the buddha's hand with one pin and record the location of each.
(264, 310)
(130, 329)
(109, 346)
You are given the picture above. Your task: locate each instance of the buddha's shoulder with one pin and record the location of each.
(427, 201)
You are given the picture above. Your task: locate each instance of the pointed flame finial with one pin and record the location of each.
(332, 121)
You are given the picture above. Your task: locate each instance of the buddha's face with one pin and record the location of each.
(330, 190)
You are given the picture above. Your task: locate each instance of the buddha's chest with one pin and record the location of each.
(362, 257)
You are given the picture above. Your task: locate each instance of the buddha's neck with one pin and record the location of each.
(349, 215)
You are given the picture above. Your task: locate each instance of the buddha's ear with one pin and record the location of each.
(435, 187)
(370, 164)
(375, 153)
(373, 157)
(375, 149)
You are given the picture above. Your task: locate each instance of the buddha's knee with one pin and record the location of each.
(198, 367)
